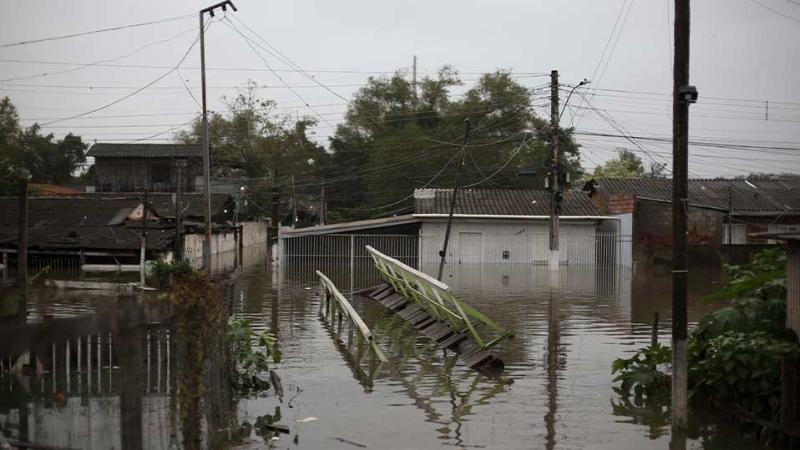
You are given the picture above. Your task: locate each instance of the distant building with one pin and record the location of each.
(140, 167)
(721, 212)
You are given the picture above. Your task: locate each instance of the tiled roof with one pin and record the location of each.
(501, 202)
(110, 150)
(753, 195)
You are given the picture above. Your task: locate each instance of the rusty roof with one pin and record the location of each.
(501, 202)
(113, 150)
(743, 195)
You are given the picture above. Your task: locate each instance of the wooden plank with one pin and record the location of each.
(453, 341)
(425, 323)
(383, 294)
(477, 358)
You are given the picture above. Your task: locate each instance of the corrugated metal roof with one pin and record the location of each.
(501, 202)
(96, 221)
(766, 195)
(112, 150)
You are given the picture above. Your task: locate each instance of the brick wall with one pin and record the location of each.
(652, 233)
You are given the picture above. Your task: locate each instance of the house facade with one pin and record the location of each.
(723, 214)
(490, 226)
(151, 167)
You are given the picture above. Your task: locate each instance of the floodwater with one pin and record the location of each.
(555, 393)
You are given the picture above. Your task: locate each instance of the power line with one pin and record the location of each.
(775, 11)
(154, 81)
(83, 66)
(102, 30)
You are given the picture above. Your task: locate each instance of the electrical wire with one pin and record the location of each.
(125, 97)
(102, 30)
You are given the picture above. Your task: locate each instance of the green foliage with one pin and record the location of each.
(741, 368)
(734, 353)
(166, 273)
(25, 153)
(646, 373)
(763, 277)
(628, 165)
(389, 125)
(251, 354)
(256, 144)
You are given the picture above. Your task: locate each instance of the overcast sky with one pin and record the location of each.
(745, 53)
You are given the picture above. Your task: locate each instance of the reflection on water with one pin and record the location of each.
(556, 391)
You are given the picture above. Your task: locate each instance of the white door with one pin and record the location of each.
(470, 247)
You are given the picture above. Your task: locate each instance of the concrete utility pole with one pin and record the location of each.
(294, 204)
(206, 154)
(683, 95)
(414, 78)
(555, 191)
(453, 199)
(143, 249)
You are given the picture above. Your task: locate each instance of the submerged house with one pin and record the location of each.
(107, 228)
(724, 215)
(495, 226)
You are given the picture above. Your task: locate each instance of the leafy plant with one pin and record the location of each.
(251, 354)
(741, 368)
(166, 273)
(646, 373)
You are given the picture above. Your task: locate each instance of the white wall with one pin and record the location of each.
(486, 240)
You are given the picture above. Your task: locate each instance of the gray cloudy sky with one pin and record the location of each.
(744, 53)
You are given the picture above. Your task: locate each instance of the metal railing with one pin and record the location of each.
(336, 306)
(436, 298)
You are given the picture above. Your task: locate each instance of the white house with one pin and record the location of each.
(509, 226)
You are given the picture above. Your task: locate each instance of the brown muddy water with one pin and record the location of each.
(556, 391)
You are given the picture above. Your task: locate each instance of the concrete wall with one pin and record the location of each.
(506, 241)
(254, 233)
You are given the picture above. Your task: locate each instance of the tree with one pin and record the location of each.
(251, 143)
(628, 165)
(396, 138)
(28, 154)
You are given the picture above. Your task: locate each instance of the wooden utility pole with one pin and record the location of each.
(206, 153)
(22, 238)
(453, 199)
(682, 96)
(555, 191)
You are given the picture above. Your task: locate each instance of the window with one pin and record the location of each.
(506, 254)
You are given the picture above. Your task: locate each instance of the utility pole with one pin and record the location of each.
(730, 213)
(453, 199)
(555, 191)
(206, 154)
(414, 78)
(22, 240)
(683, 95)
(179, 165)
(143, 249)
(294, 204)
(322, 206)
